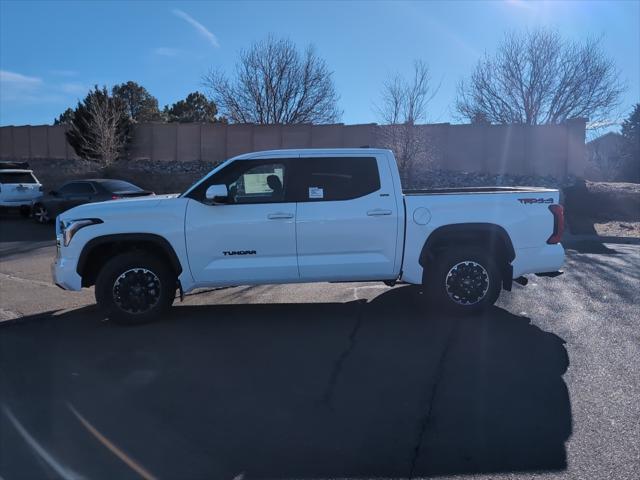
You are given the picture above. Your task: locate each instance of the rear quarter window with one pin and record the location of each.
(120, 186)
(17, 177)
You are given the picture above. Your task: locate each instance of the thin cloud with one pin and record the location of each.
(64, 73)
(74, 88)
(201, 29)
(17, 79)
(520, 4)
(17, 88)
(167, 51)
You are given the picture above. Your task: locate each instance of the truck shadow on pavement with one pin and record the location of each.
(351, 390)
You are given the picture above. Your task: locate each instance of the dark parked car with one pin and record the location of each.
(77, 192)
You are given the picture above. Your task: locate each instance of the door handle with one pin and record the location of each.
(378, 212)
(279, 215)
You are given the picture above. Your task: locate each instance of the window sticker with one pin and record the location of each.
(316, 192)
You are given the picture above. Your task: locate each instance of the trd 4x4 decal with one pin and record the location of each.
(529, 201)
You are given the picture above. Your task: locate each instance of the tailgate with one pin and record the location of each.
(17, 186)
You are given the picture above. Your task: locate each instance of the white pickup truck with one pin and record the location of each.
(288, 216)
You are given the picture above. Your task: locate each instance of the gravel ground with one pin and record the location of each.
(618, 229)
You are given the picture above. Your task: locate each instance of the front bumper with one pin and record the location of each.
(63, 270)
(64, 274)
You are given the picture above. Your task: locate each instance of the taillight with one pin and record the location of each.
(558, 223)
(115, 197)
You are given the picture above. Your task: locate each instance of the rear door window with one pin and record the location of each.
(77, 188)
(17, 177)
(335, 178)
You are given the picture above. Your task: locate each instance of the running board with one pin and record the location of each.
(550, 274)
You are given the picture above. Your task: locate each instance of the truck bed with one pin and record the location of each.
(459, 190)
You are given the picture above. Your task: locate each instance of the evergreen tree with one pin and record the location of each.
(141, 106)
(65, 117)
(195, 108)
(631, 147)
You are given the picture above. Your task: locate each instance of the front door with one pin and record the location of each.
(251, 238)
(347, 219)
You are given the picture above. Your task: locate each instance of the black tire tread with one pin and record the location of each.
(124, 261)
(434, 276)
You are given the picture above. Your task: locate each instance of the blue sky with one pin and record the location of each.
(51, 53)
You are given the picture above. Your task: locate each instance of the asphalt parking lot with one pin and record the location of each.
(322, 381)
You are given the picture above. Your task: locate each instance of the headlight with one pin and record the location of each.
(69, 228)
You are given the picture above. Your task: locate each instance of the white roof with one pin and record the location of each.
(293, 152)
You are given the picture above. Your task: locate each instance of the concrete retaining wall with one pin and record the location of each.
(545, 150)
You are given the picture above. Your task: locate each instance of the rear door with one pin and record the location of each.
(347, 218)
(18, 186)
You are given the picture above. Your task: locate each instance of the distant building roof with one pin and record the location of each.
(609, 137)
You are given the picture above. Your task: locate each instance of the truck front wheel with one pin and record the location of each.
(465, 280)
(134, 288)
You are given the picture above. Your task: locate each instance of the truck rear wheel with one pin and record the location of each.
(134, 288)
(465, 281)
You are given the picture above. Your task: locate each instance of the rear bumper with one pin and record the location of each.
(548, 258)
(17, 203)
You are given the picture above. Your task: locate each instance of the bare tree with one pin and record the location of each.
(404, 103)
(537, 77)
(275, 84)
(100, 127)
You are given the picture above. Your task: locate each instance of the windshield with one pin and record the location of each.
(205, 177)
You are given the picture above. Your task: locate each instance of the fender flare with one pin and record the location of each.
(497, 237)
(119, 238)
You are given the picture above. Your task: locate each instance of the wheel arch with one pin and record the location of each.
(98, 250)
(491, 236)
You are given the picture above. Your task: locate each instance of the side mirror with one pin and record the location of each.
(217, 194)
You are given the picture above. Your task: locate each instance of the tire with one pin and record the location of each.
(41, 214)
(463, 280)
(135, 288)
(25, 211)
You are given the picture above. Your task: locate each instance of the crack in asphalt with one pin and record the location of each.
(426, 419)
(340, 361)
(40, 283)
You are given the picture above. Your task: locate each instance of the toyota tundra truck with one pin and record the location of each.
(312, 215)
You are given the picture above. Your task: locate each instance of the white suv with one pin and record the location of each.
(19, 187)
